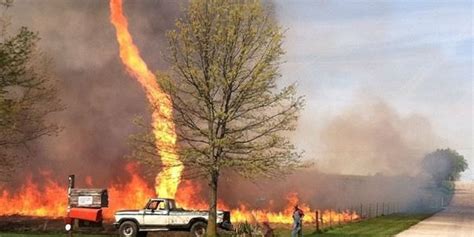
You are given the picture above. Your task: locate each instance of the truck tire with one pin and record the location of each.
(128, 229)
(198, 229)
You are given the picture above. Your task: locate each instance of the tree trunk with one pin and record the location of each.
(211, 224)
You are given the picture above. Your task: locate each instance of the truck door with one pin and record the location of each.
(156, 214)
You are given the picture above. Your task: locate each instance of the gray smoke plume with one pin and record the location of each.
(371, 137)
(367, 153)
(100, 97)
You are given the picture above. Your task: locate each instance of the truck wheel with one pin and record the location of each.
(128, 229)
(198, 229)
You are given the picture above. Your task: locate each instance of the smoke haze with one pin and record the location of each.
(370, 137)
(101, 99)
(367, 137)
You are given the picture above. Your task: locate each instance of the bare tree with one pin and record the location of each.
(27, 96)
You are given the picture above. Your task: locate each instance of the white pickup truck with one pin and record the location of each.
(161, 214)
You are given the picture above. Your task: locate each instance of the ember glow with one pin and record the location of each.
(168, 179)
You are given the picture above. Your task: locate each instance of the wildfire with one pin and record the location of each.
(168, 179)
(242, 214)
(51, 199)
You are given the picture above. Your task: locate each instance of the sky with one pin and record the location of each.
(410, 61)
(415, 56)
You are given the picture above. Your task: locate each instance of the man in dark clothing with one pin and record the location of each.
(297, 222)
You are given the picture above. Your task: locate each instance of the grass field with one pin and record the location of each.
(380, 226)
(45, 235)
(375, 227)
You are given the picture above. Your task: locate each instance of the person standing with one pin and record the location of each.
(297, 222)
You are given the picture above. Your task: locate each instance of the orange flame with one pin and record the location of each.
(163, 126)
(242, 214)
(51, 200)
(30, 200)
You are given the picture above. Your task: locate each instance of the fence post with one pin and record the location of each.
(338, 216)
(317, 221)
(360, 213)
(383, 208)
(350, 212)
(330, 217)
(322, 219)
(370, 210)
(377, 209)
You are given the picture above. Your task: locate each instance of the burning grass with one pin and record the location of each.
(50, 201)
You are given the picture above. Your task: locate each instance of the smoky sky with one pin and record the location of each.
(416, 56)
(101, 99)
(371, 137)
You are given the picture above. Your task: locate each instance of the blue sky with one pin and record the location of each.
(416, 56)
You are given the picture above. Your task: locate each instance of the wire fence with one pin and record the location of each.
(334, 217)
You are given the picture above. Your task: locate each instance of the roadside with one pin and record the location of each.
(380, 226)
(457, 220)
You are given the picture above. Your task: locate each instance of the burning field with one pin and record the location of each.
(45, 194)
(92, 146)
(50, 200)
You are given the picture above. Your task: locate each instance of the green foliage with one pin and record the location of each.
(27, 96)
(230, 113)
(6, 3)
(228, 108)
(444, 165)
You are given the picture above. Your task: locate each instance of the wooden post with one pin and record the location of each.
(322, 219)
(338, 216)
(377, 209)
(350, 213)
(71, 184)
(361, 209)
(330, 217)
(370, 210)
(383, 208)
(317, 221)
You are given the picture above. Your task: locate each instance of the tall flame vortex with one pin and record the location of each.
(168, 179)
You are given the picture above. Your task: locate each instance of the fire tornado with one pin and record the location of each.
(168, 179)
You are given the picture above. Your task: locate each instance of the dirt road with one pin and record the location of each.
(457, 220)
